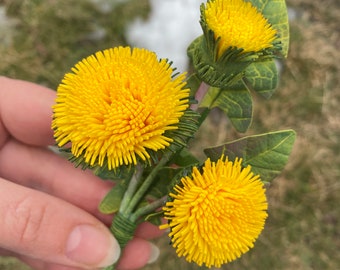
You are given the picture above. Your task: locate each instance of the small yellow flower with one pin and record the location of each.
(238, 24)
(117, 105)
(216, 216)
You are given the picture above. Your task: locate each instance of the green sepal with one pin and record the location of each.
(267, 153)
(235, 101)
(101, 171)
(216, 72)
(116, 174)
(187, 127)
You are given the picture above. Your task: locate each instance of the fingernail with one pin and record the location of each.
(154, 253)
(92, 246)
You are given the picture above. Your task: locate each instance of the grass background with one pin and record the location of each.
(44, 38)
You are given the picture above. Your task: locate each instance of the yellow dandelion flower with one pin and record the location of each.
(238, 24)
(216, 216)
(117, 105)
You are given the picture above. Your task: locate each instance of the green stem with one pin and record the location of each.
(149, 208)
(145, 185)
(203, 115)
(132, 187)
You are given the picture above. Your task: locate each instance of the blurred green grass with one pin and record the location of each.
(303, 228)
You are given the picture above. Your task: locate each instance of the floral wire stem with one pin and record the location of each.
(206, 110)
(148, 208)
(125, 221)
(145, 185)
(131, 188)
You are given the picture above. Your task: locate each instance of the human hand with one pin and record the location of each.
(49, 209)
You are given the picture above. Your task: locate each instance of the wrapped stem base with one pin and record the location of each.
(123, 229)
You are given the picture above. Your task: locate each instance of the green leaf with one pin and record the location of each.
(262, 77)
(276, 13)
(267, 153)
(111, 202)
(235, 102)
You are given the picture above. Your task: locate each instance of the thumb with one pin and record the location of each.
(38, 225)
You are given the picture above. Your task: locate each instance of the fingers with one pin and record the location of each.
(49, 229)
(146, 230)
(42, 169)
(26, 111)
(137, 253)
(40, 265)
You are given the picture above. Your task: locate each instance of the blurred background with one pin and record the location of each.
(40, 40)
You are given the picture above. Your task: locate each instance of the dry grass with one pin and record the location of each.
(303, 229)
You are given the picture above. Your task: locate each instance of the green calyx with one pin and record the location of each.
(220, 71)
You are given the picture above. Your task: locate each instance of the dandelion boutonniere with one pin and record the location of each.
(129, 117)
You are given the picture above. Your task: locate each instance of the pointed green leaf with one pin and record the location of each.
(276, 13)
(267, 153)
(262, 77)
(236, 103)
(111, 202)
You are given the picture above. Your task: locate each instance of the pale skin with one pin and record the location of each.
(43, 198)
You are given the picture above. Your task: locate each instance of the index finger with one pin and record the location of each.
(26, 111)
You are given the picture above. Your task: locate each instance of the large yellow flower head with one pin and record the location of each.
(238, 24)
(216, 216)
(117, 105)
